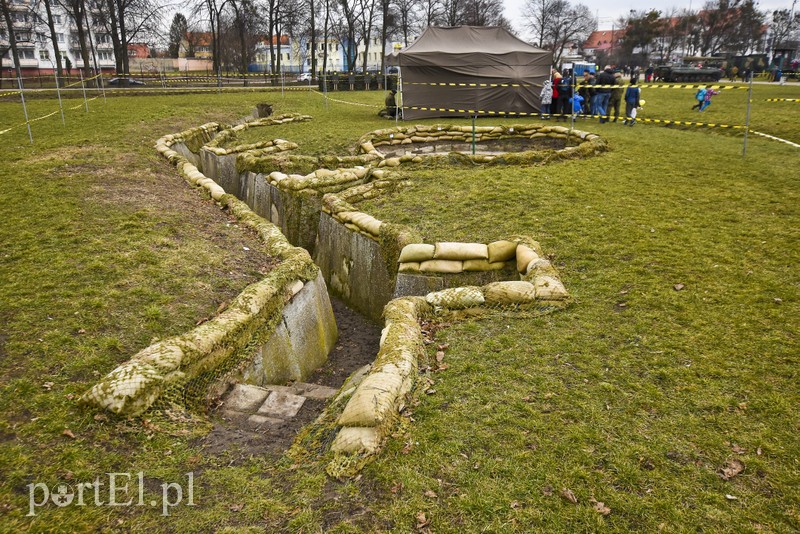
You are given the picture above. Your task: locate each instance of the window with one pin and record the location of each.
(103, 38)
(44, 55)
(22, 36)
(26, 53)
(104, 55)
(57, 19)
(60, 37)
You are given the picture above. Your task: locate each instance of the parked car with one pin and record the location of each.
(304, 77)
(120, 81)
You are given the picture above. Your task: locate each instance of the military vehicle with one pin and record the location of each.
(685, 73)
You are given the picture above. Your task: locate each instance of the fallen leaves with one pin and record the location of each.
(236, 507)
(678, 287)
(48, 386)
(731, 469)
(67, 432)
(600, 507)
(422, 521)
(568, 496)
(431, 494)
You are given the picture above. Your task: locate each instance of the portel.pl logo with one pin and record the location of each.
(116, 491)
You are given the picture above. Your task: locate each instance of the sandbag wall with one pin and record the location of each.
(288, 309)
(374, 405)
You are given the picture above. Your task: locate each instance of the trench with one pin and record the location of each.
(262, 412)
(355, 348)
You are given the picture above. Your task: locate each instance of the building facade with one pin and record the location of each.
(35, 48)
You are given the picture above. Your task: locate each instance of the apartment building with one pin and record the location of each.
(35, 48)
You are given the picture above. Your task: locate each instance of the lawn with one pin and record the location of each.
(664, 398)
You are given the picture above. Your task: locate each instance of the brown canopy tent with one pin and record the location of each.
(470, 70)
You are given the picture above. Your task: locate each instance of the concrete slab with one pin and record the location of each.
(245, 398)
(314, 391)
(280, 404)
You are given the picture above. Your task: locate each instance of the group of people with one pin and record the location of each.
(594, 96)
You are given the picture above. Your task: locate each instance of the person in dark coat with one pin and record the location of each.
(564, 86)
(603, 92)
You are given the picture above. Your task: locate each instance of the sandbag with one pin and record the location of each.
(416, 252)
(514, 292)
(501, 251)
(374, 400)
(549, 288)
(461, 251)
(409, 267)
(483, 265)
(525, 255)
(441, 266)
(353, 440)
(456, 298)
(540, 266)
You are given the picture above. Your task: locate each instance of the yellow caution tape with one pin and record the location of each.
(536, 114)
(346, 102)
(581, 85)
(82, 103)
(782, 99)
(9, 94)
(464, 84)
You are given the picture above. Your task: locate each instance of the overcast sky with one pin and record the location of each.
(609, 11)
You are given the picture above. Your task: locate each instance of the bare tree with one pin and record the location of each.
(561, 24)
(12, 39)
(76, 10)
(432, 13)
(405, 10)
(785, 24)
(366, 25)
(641, 30)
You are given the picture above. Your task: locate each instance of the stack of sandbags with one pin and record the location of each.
(453, 258)
(540, 272)
(373, 407)
(361, 223)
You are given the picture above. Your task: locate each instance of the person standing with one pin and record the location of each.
(603, 92)
(632, 94)
(586, 90)
(616, 96)
(648, 74)
(547, 99)
(564, 86)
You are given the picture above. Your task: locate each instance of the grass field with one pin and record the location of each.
(640, 407)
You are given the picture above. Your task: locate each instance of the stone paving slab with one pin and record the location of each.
(281, 404)
(314, 391)
(245, 398)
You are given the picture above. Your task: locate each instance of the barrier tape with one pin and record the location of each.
(464, 84)
(771, 99)
(82, 81)
(582, 85)
(670, 86)
(30, 121)
(346, 102)
(790, 143)
(536, 114)
(87, 101)
(9, 94)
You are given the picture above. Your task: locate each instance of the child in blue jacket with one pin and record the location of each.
(632, 94)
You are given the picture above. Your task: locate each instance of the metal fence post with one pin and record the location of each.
(24, 108)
